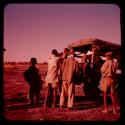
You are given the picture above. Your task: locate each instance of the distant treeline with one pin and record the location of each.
(22, 63)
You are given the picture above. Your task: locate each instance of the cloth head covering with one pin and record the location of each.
(109, 54)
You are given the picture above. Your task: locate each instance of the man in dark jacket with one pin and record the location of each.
(31, 75)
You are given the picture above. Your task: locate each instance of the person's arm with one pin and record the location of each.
(84, 69)
(26, 75)
(63, 64)
(104, 67)
(112, 70)
(59, 62)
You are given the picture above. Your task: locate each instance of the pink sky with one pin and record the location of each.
(33, 30)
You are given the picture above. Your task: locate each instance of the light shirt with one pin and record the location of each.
(52, 62)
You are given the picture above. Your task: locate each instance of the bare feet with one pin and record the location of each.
(114, 111)
(44, 106)
(54, 106)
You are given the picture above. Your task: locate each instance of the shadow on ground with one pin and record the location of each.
(81, 102)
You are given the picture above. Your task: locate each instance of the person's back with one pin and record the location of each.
(32, 76)
(52, 69)
(52, 78)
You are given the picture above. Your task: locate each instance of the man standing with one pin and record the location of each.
(61, 58)
(108, 81)
(52, 78)
(69, 70)
(33, 77)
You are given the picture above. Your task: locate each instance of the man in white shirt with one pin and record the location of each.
(52, 77)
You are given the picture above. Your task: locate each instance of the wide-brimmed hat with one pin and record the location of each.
(109, 54)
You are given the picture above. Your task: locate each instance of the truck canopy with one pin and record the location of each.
(101, 46)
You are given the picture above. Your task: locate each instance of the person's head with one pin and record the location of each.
(33, 61)
(66, 50)
(84, 58)
(54, 52)
(109, 55)
(71, 51)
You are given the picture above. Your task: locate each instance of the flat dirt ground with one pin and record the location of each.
(16, 105)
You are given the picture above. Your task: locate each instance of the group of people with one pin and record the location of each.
(62, 74)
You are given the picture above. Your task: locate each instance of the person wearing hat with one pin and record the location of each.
(32, 76)
(107, 82)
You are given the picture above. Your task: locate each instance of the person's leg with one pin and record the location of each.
(113, 98)
(31, 94)
(105, 102)
(116, 96)
(63, 94)
(54, 97)
(117, 99)
(71, 94)
(50, 94)
(38, 95)
(46, 96)
(85, 88)
(113, 102)
(60, 86)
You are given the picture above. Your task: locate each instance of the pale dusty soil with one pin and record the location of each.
(16, 105)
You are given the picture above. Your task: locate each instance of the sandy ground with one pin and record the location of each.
(16, 106)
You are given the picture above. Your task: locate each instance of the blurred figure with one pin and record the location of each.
(52, 78)
(86, 74)
(118, 74)
(33, 77)
(96, 75)
(92, 75)
(69, 70)
(65, 53)
(85, 63)
(108, 81)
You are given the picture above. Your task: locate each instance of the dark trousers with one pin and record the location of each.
(34, 92)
